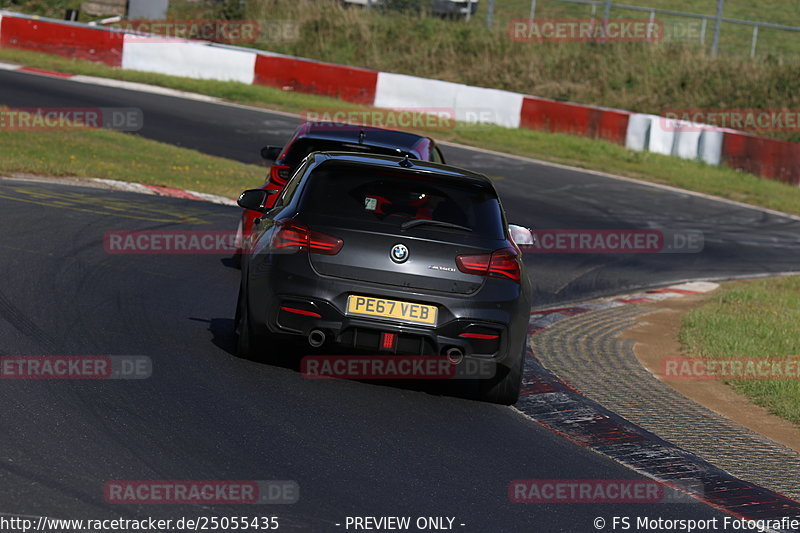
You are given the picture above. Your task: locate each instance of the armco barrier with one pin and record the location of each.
(469, 104)
(190, 59)
(401, 91)
(638, 132)
(687, 141)
(657, 134)
(564, 117)
(488, 106)
(661, 138)
(709, 150)
(62, 38)
(770, 158)
(307, 76)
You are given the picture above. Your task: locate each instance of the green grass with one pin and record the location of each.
(642, 77)
(677, 73)
(759, 319)
(114, 155)
(567, 149)
(734, 38)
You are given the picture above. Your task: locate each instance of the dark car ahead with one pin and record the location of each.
(335, 137)
(390, 255)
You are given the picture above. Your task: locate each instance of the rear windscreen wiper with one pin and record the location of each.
(417, 222)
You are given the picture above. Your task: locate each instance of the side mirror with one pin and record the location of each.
(271, 153)
(255, 199)
(522, 236)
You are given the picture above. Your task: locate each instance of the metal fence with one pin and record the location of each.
(712, 34)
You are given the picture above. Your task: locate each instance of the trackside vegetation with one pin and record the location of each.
(756, 319)
(114, 155)
(647, 77)
(566, 149)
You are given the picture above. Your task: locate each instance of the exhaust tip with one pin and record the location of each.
(316, 338)
(455, 355)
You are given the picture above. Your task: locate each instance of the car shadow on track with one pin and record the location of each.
(290, 356)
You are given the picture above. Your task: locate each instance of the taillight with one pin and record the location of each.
(503, 264)
(279, 174)
(294, 236)
(474, 264)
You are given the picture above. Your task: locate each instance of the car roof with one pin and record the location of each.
(372, 136)
(417, 166)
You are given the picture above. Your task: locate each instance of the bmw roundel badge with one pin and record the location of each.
(399, 253)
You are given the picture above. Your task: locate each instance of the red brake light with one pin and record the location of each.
(503, 264)
(481, 336)
(300, 311)
(279, 174)
(293, 234)
(474, 264)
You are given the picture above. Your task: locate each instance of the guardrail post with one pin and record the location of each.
(717, 24)
(606, 14)
(703, 31)
(755, 40)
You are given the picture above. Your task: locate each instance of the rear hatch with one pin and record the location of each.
(401, 229)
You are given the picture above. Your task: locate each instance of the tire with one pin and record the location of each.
(261, 348)
(246, 342)
(504, 388)
(236, 259)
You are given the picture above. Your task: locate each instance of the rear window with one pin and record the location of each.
(302, 147)
(392, 198)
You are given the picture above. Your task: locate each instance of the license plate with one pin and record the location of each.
(406, 311)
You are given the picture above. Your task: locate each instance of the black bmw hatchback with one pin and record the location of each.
(390, 255)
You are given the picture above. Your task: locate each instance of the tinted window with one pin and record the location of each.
(436, 155)
(390, 197)
(302, 147)
(291, 186)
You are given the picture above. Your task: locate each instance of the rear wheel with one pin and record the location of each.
(250, 345)
(236, 259)
(247, 342)
(504, 387)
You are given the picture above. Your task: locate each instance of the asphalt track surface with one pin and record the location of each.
(355, 449)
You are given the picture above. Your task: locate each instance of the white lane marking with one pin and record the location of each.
(127, 186)
(143, 87)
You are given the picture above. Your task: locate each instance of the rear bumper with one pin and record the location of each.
(288, 297)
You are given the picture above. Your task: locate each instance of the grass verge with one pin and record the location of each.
(114, 155)
(566, 149)
(752, 319)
